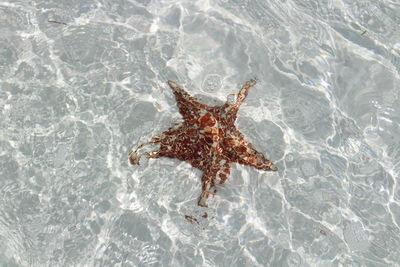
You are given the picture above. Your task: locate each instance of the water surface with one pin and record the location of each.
(76, 97)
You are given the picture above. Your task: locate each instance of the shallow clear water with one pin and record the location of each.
(75, 98)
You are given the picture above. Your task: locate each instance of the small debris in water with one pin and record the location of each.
(191, 219)
(57, 22)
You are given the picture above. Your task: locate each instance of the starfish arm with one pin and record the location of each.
(134, 156)
(214, 175)
(244, 91)
(188, 106)
(241, 96)
(246, 154)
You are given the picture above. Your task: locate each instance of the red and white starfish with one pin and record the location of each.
(207, 139)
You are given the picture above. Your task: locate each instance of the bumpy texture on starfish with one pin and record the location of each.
(207, 139)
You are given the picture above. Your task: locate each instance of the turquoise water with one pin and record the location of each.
(84, 82)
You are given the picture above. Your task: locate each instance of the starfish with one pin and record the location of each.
(207, 139)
